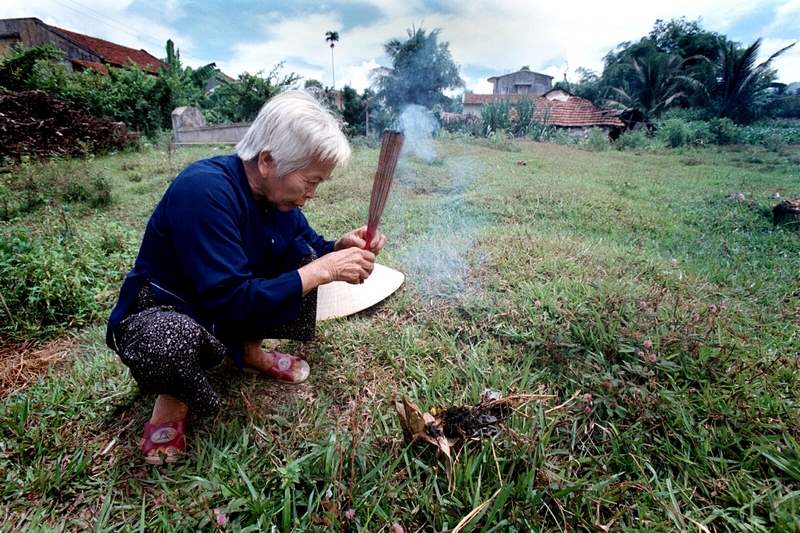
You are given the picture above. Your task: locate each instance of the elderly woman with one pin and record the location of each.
(227, 260)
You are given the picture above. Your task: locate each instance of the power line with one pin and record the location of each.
(108, 22)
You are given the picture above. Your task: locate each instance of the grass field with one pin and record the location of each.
(661, 312)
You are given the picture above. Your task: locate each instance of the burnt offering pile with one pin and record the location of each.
(787, 212)
(449, 427)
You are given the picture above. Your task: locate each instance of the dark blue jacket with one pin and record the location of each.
(214, 253)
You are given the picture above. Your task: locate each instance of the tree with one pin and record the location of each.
(241, 100)
(332, 37)
(355, 110)
(654, 83)
(17, 67)
(422, 68)
(741, 84)
(181, 85)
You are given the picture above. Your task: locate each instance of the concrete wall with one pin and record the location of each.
(473, 109)
(523, 82)
(222, 134)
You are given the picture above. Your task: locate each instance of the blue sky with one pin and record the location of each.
(486, 37)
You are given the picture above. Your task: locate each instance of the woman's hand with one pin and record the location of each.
(357, 239)
(352, 265)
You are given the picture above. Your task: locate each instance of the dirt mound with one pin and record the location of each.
(38, 124)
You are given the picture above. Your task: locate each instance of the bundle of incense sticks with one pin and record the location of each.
(387, 162)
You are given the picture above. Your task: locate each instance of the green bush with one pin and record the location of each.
(673, 132)
(495, 117)
(70, 182)
(632, 140)
(523, 117)
(774, 142)
(724, 131)
(597, 140)
(540, 132)
(560, 136)
(700, 133)
(61, 279)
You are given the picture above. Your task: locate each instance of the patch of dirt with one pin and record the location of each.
(22, 364)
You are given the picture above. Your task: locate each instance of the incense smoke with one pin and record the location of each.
(418, 125)
(438, 261)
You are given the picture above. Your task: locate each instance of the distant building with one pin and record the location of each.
(555, 107)
(81, 51)
(524, 81)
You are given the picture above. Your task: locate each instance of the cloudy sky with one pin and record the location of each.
(487, 37)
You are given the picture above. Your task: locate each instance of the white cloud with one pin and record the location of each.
(788, 63)
(547, 36)
(550, 37)
(106, 19)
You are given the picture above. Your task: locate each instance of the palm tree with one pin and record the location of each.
(741, 83)
(658, 81)
(332, 37)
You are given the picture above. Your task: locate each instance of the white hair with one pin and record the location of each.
(296, 130)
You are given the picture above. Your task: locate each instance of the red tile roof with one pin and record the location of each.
(97, 67)
(113, 53)
(574, 112)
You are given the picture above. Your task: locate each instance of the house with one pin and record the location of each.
(81, 51)
(555, 107)
(524, 81)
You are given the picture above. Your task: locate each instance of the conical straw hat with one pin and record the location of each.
(340, 299)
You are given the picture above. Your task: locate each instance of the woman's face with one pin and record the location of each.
(296, 188)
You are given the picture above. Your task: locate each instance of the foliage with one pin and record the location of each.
(523, 117)
(674, 132)
(597, 140)
(740, 92)
(241, 100)
(143, 101)
(355, 110)
(495, 116)
(50, 281)
(19, 63)
(632, 140)
(422, 68)
(655, 83)
(724, 131)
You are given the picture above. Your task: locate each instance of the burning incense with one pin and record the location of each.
(391, 145)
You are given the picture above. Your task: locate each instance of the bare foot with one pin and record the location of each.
(166, 409)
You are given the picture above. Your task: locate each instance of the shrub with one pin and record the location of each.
(674, 132)
(700, 133)
(774, 142)
(632, 140)
(540, 132)
(61, 279)
(523, 117)
(32, 185)
(495, 117)
(724, 131)
(559, 136)
(597, 140)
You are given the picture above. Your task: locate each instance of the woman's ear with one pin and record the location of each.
(266, 164)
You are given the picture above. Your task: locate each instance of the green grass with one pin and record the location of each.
(550, 277)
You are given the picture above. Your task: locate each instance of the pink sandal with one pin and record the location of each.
(168, 440)
(287, 368)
